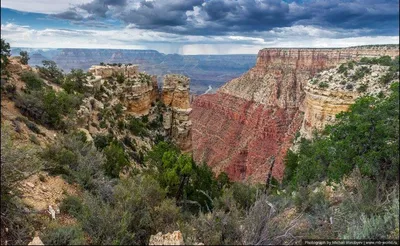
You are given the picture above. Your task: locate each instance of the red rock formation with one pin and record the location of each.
(255, 117)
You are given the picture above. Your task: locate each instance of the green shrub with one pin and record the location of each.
(48, 107)
(342, 68)
(17, 160)
(167, 214)
(32, 80)
(103, 124)
(375, 226)
(72, 205)
(116, 160)
(24, 57)
(137, 127)
(5, 53)
(51, 72)
(362, 88)
(33, 127)
(217, 228)
(387, 77)
(74, 81)
(34, 139)
(120, 78)
(63, 235)
(323, 85)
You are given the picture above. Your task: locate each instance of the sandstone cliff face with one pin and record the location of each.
(137, 91)
(107, 71)
(254, 117)
(331, 92)
(176, 97)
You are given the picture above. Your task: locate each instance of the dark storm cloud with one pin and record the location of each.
(222, 17)
(160, 14)
(69, 15)
(100, 7)
(381, 15)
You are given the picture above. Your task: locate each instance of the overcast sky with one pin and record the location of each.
(198, 26)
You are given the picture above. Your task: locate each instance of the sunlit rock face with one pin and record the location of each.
(255, 117)
(176, 97)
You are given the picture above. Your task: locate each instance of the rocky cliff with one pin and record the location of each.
(250, 122)
(176, 96)
(332, 91)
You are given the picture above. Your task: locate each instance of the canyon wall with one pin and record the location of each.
(176, 96)
(250, 122)
(331, 92)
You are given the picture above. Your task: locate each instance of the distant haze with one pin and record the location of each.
(203, 70)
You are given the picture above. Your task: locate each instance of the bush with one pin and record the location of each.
(375, 226)
(24, 57)
(217, 228)
(323, 85)
(80, 161)
(32, 80)
(137, 127)
(102, 141)
(17, 162)
(342, 68)
(51, 72)
(75, 81)
(5, 53)
(349, 87)
(72, 205)
(48, 107)
(362, 88)
(167, 214)
(387, 77)
(34, 139)
(265, 223)
(116, 160)
(33, 127)
(63, 235)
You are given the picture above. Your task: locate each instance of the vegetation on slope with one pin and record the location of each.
(358, 156)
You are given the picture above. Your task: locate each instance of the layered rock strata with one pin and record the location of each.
(176, 97)
(136, 91)
(250, 122)
(331, 92)
(107, 71)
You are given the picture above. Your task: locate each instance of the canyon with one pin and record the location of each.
(203, 70)
(247, 126)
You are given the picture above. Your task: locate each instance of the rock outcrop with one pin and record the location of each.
(250, 122)
(176, 121)
(136, 91)
(107, 71)
(174, 238)
(331, 92)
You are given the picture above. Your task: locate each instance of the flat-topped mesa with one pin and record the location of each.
(176, 121)
(107, 71)
(255, 117)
